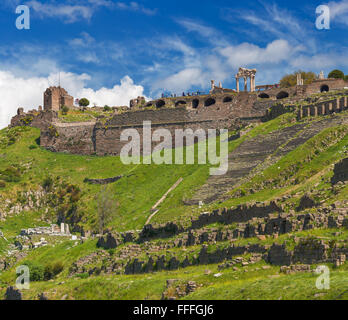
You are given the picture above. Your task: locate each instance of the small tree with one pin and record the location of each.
(346, 77)
(65, 110)
(83, 102)
(107, 108)
(336, 74)
(290, 80)
(106, 212)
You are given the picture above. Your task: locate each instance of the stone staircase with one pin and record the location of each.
(256, 154)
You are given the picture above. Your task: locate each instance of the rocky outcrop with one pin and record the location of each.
(103, 181)
(13, 294)
(306, 202)
(340, 172)
(109, 241)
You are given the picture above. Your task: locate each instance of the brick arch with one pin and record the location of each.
(264, 96)
(160, 103)
(282, 95)
(227, 99)
(195, 103)
(180, 102)
(324, 88)
(209, 102)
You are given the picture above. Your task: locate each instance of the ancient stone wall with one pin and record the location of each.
(340, 172)
(104, 138)
(323, 108)
(55, 97)
(33, 118)
(325, 85)
(297, 92)
(77, 138)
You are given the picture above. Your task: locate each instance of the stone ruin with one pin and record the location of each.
(137, 102)
(245, 74)
(221, 108)
(53, 230)
(56, 97)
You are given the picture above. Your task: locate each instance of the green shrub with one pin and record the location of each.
(84, 102)
(107, 108)
(36, 270)
(82, 275)
(336, 74)
(32, 146)
(2, 184)
(10, 174)
(47, 184)
(65, 110)
(52, 270)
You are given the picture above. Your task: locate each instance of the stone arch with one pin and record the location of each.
(195, 103)
(227, 99)
(209, 102)
(180, 102)
(160, 103)
(282, 95)
(324, 88)
(264, 96)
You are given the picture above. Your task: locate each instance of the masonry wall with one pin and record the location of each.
(323, 108)
(36, 119)
(333, 84)
(104, 139)
(77, 138)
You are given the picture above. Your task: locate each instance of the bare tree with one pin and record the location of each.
(107, 206)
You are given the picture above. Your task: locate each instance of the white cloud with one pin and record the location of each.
(119, 95)
(182, 80)
(320, 61)
(247, 54)
(134, 6)
(68, 12)
(28, 92)
(339, 11)
(194, 26)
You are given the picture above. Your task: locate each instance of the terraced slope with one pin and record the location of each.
(250, 247)
(257, 154)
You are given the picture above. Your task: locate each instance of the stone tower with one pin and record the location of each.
(56, 97)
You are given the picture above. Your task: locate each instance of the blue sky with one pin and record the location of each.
(111, 51)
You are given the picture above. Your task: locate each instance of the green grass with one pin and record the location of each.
(140, 188)
(255, 284)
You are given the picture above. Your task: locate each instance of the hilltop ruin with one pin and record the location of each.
(220, 109)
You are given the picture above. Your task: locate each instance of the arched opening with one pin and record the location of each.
(324, 88)
(209, 102)
(160, 103)
(180, 103)
(195, 103)
(282, 95)
(227, 99)
(264, 96)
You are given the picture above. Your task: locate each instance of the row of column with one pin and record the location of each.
(323, 108)
(252, 83)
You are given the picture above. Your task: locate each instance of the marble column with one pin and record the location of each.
(237, 84)
(252, 83)
(245, 84)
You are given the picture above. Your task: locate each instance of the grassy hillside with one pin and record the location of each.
(25, 166)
